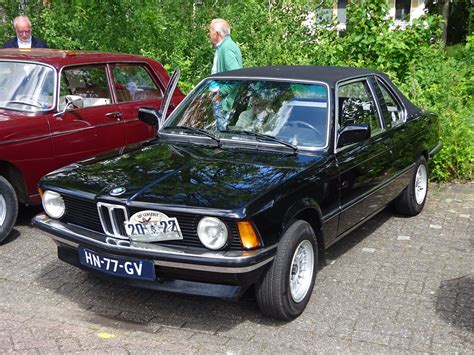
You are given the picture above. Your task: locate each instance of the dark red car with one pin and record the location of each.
(58, 107)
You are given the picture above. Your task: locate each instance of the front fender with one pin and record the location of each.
(305, 207)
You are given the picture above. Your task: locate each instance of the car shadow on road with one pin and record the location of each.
(454, 302)
(102, 302)
(25, 215)
(356, 236)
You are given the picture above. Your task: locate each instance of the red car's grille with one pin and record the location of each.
(85, 213)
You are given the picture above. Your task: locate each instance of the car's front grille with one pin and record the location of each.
(82, 212)
(112, 217)
(85, 213)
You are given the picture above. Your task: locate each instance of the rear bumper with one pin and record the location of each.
(435, 150)
(237, 269)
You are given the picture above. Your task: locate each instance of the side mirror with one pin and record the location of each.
(72, 102)
(150, 116)
(353, 133)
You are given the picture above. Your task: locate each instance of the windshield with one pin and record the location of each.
(26, 86)
(293, 113)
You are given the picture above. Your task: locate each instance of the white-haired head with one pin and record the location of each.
(21, 19)
(218, 29)
(221, 26)
(22, 26)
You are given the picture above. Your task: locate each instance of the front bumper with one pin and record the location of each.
(235, 269)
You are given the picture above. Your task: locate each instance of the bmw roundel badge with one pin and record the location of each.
(117, 191)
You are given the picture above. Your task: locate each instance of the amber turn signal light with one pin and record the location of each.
(248, 236)
(40, 191)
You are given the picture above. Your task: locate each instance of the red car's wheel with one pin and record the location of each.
(8, 208)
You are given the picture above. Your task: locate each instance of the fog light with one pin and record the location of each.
(53, 204)
(213, 233)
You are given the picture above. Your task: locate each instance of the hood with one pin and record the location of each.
(193, 176)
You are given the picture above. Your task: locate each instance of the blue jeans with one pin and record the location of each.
(221, 116)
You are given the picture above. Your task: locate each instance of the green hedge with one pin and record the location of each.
(277, 32)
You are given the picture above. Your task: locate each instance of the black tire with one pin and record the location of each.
(412, 200)
(273, 292)
(8, 208)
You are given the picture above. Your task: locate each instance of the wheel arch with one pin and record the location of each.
(426, 154)
(309, 211)
(15, 178)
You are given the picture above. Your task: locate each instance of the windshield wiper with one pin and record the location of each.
(265, 137)
(24, 103)
(199, 131)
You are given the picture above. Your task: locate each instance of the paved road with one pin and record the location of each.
(395, 285)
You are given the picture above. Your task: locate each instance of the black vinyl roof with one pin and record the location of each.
(326, 74)
(329, 75)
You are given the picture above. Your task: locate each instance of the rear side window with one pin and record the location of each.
(134, 83)
(394, 113)
(88, 82)
(356, 105)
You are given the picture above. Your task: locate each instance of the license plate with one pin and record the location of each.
(117, 266)
(152, 226)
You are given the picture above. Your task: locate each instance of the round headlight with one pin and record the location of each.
(212, 232)
(53, 204)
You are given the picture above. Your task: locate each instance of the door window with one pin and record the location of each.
(356, 106)
(88, 82)
(394, 113)
(134, 83)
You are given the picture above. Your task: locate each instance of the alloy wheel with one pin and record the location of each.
(421, 184)
(301, 271)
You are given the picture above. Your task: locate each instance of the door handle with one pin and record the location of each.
(116, 115)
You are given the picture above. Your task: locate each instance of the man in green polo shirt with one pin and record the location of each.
(226, 57)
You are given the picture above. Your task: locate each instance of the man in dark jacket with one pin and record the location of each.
(23, 37)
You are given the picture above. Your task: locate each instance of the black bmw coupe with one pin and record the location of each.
(247, 183)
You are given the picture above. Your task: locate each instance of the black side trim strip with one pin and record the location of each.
(375, 189)
(339, 237)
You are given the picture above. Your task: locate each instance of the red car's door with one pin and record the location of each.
(95, 128)
(136, 86)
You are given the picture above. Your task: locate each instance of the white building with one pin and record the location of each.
(402, 11)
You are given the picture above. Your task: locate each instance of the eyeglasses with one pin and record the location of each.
(25, 32)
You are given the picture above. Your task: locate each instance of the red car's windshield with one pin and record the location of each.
(26, 86)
